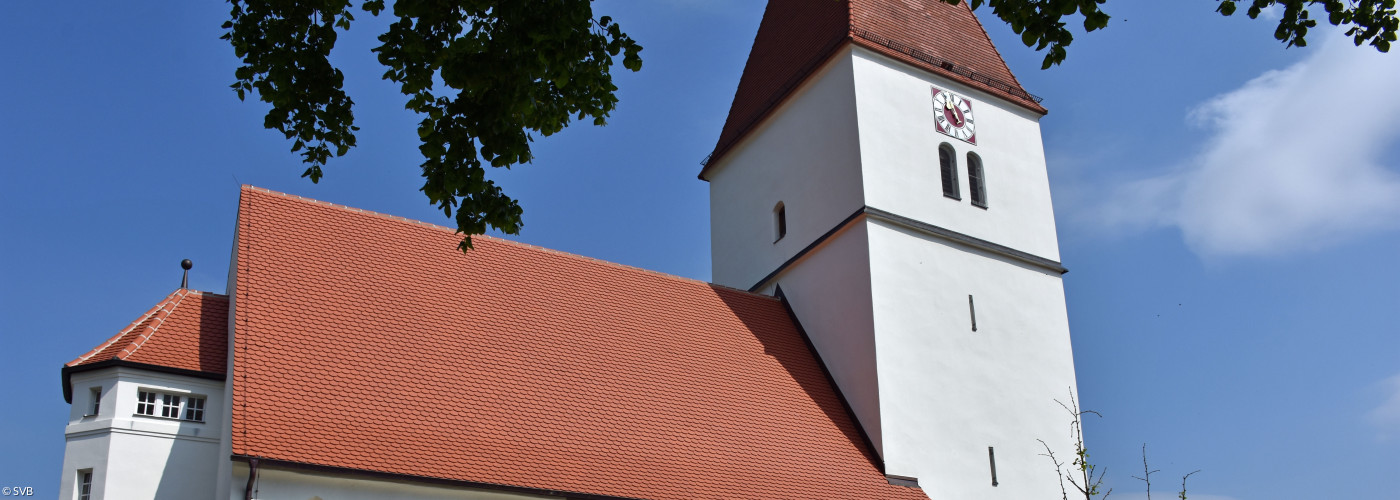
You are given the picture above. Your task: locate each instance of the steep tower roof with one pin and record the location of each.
(185, 333)
(798, 36)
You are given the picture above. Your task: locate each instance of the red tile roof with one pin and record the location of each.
(367, 342)
(798, 36)
(188, 330)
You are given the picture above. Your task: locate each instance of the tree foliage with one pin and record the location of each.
(1041, 23)
(1368, 21)
(485, 75)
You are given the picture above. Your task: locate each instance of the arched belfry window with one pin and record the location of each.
(948, 168)
(779, 222)
(976, 181)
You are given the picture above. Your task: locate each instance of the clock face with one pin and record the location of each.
(952, 115)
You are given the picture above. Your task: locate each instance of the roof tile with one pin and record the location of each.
(187, 330)
(368, 342)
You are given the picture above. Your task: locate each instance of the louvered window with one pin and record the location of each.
(976, 181)
(948, 168)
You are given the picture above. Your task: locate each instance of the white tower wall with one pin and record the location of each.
(899, 157)
(947, 392)
(880, 278)
(829, 291)
(806, 154)
(137, 456)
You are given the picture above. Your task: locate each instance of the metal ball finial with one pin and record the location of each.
(185, 278)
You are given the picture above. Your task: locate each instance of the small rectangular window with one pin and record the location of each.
(85, 484)
(194, 409)
(170, 407)
(145, 403)
(96, 401)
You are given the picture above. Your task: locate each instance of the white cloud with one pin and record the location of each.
(1271, 13)
(1295, 160)
(1386, 417)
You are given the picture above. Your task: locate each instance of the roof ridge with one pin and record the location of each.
(159, 319)
(397, 218)
(128, 329)
(851, 19)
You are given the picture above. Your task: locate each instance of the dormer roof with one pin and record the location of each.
(797, 36)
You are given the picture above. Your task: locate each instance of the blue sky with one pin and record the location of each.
(1228, 210)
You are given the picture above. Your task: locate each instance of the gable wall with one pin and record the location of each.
(805, 155)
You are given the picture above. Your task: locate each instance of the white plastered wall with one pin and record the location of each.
(899, 155)
(275, 484)
(135, 456)
(829, 291)
(805, 155)
(224, 475)
(947, 393)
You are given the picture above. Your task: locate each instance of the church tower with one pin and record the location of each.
(883, 171)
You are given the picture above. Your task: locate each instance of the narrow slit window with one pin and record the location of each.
(779, 222)
(85, 484)
(972, 312)
(992, 457)
(96, 400)
(976, 181)
(948, 168)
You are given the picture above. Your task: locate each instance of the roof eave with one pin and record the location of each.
(391, 476)
(1028, 102)
(69, 370)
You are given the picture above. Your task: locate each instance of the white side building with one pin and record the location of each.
(148, 405)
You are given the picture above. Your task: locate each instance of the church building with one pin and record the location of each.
(886, 318)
